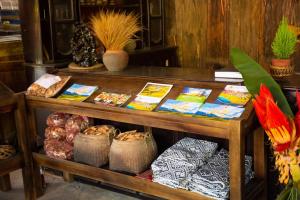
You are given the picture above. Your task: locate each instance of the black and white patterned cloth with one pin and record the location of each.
(212, 179)
(175, 164)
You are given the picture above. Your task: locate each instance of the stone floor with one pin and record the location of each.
(57, 189)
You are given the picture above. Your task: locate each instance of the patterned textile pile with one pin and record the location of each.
(195, 165)
(212, 179)
(174, 165)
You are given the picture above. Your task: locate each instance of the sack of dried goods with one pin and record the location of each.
(58, 149)
(76, 124)
(47, 85)
(132, 152)
(57, 133)
(58, 119)
(92, 145)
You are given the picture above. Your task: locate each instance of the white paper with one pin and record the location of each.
(236, 88)
(47, 80)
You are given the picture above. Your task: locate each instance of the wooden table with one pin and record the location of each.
(233, 131)
(10, 102)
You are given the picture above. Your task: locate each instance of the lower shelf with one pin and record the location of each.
(11, 164)
(131, 182)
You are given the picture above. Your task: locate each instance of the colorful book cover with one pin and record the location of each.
(234, 95)
(112, 99)
(196, 95)
(220, 111)
(78, 92)
(155, 91)
(142, 103)
(150, 96)
(183, 107)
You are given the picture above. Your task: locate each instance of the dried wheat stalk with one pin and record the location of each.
(115, 29)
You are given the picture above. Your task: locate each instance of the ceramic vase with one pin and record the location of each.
(115, 60)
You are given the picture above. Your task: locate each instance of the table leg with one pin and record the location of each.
(5, 184)
(68, 177)
(237, 162)
(260, 167)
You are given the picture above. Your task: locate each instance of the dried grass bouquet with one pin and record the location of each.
(115, 29)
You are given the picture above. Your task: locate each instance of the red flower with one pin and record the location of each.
(297, 117)
(273, 120)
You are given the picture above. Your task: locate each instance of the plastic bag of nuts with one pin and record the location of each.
(57, 133)
(58, 149)
(58, 119)
(47, 85)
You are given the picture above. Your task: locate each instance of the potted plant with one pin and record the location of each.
(283, 46)
(115, 30)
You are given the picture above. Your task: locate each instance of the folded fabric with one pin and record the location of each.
(212, 179)
(174, 165)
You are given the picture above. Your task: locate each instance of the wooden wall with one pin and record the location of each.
(12, 71)
(206, 30)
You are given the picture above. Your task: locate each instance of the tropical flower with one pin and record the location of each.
(297, 116)
(277, 126)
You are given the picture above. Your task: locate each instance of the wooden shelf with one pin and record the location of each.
(11, 164)
(131, 82)
(203, 126)
(127, 181)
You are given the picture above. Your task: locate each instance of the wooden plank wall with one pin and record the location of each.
(12, 71)
(206, 30)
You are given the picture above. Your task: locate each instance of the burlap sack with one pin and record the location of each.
(132, 156)
(93, 149)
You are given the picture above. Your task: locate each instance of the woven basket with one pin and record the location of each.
(93, 149)
(6, 151)
(132, 156)
(282, 72)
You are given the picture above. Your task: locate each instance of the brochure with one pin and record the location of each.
(196, 95)
(155, 91)
(234, 95)
(150, 96)
(187, 108)
(78, 92)
(112, 99)
(220, 111)
(143, 103)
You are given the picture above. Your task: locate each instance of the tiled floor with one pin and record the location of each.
(57, 189)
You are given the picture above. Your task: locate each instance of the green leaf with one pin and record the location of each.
(285, 193)
(254, 75)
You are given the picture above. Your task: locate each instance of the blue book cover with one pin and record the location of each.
(196, 95)
(220, 111)
(78, 92)
(182, 107)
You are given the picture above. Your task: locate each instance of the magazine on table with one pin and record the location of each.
(234, 95)
(196, 95)
(181, 107)
(220, 111)
(150, 96)
(111, 99)
(78, 92)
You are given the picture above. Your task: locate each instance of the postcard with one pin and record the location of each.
(220, 111)
(142, 103)
(234, 95)
(188, 108)
(196, 95)
(155, 90)
(78, 92)
(112, 99)
(150, 96)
